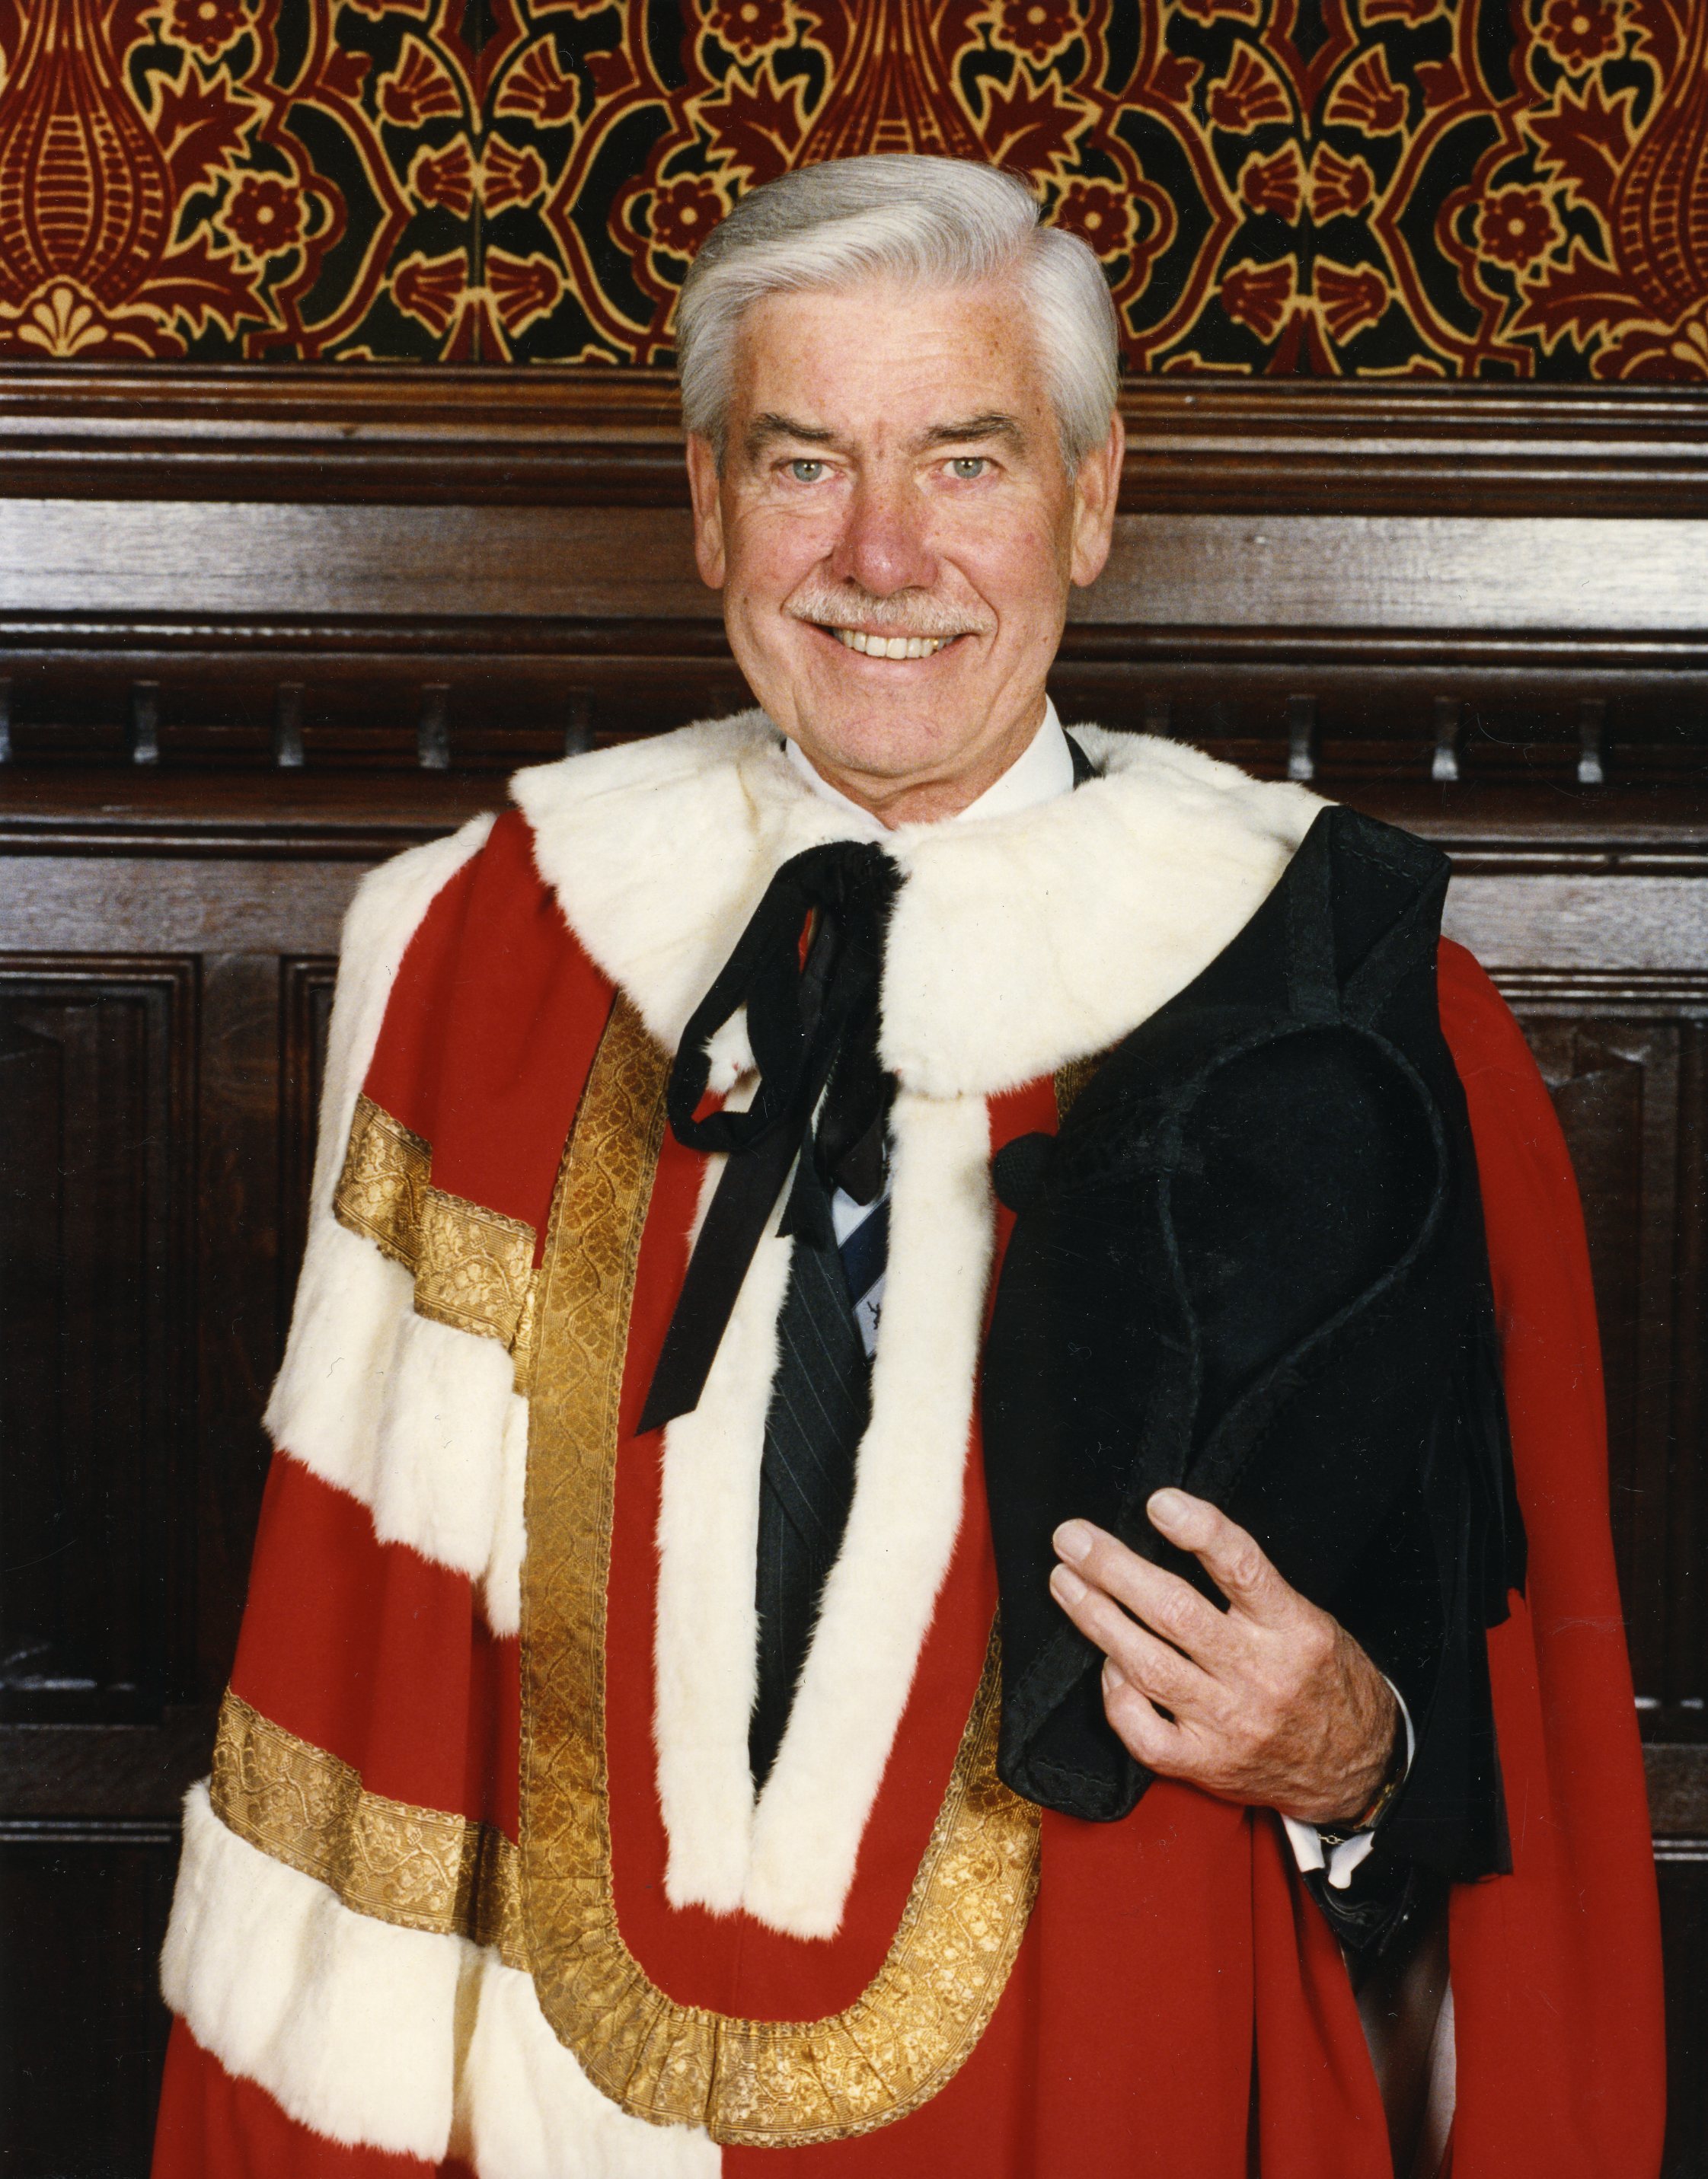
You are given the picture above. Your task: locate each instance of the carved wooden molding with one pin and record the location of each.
(465, 435)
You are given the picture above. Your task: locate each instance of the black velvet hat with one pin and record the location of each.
(1252, 1264)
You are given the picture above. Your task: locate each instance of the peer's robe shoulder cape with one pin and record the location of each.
(479, 1883)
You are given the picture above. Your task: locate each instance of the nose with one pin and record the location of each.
(882, 546)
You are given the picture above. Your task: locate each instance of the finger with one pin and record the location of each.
(1147, 1663)
(1231, 1558)
(1165, 1603)
(1142, 1729)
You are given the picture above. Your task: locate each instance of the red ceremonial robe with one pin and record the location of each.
(365, 1889)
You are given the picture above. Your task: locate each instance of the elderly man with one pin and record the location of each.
(792, 1186)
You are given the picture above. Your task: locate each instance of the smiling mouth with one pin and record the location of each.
(891, 646)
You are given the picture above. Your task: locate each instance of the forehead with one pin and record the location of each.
(908, 353)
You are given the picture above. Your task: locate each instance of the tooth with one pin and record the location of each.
(897, 647)
(916, 648)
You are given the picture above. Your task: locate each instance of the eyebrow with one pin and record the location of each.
(994, 424)
(769, 426)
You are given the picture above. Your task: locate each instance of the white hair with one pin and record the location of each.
(937, 222)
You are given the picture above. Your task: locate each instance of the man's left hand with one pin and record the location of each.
(1271, 1702)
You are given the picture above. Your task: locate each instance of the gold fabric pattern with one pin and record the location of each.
(754, 2082)
(384, 1182)
(418, 1867)
(473, 1268)
(522, 1347)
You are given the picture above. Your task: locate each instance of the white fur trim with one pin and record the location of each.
(707, 1632)
(526, 2110)
(350, 2025)
(438, 1458)
(1018, 942)
(386, 2038)
(790, 1860)
(503, 1583)
(704, 816)
(416, 1419)
(351, 1305)
(1025, 942)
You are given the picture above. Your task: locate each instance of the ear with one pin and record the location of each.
(1095, 489)
(708, 511)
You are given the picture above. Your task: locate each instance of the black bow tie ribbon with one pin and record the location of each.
(823, 1098)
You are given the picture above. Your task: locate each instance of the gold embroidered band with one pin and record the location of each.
(755, 2082)
(416, 1867)
(473, 1268)
(385, 1177)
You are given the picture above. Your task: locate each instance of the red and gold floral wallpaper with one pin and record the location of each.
(1374, 187)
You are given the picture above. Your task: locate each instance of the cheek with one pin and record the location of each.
(769, 555)
(1016, 567)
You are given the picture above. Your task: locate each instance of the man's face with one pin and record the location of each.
(893, 482)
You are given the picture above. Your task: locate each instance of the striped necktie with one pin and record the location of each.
(820, 1403)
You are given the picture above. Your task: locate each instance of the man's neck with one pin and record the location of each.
(1043, 770)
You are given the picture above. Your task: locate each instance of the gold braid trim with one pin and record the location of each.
(473, 1268)
(761, 2082)
(418, 1867)
(385, 1177)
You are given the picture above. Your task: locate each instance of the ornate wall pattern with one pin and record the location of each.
(1367, 188)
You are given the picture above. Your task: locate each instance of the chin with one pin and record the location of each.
(881, 749)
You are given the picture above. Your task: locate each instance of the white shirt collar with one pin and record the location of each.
(1042, 770)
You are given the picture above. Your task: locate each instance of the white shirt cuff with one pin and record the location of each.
(1340, 1861)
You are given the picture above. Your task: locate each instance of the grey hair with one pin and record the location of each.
(938, 222)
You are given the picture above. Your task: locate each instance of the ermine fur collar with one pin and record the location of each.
(1018, 943)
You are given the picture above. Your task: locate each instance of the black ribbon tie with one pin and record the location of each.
(823, 1098)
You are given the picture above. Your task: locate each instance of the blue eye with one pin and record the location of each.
(804, 470)
(964, 467)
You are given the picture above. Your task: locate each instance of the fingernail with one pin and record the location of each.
(1166, 1505)
(1066, 1584)
(1072, 1540)
(1112, 1676)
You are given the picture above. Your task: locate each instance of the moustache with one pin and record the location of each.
(909, 613)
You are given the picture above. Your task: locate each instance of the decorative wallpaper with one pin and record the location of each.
(1378, 188)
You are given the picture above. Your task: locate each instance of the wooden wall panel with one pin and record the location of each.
(1629, 1085)
(306, 1012)
(97, 1067)
(1684, 1874)
(81, 2024)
